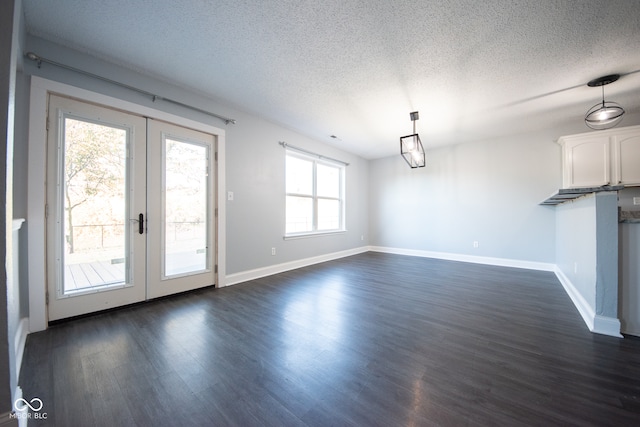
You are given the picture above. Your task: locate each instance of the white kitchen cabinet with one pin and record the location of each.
(608, 157)
(626, 149)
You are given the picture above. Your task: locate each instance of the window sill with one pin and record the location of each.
(312, 234)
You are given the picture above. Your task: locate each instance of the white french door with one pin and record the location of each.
(130, 210)
(181, 238)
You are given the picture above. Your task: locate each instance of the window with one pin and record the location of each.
(315, 195)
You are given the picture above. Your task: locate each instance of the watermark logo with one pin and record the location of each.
(22, 405)
(28, 409)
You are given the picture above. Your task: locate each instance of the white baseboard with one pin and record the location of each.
(598, 324)
(501, 262)
(585, 310)
(234, 279)
(20, 340)
(606, 326)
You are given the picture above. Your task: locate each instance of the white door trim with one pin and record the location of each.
(36, 187)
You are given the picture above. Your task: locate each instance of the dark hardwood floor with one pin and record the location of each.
(369, 340)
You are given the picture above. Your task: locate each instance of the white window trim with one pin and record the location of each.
(307, 234)
(317, 159)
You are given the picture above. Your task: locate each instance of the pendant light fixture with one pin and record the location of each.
(607, 114)
(411, 147)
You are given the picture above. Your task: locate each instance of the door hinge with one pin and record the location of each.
(46, 211)
(216, 156)
(215, 269)
(216, 212)
(47, 123)
(46, 298)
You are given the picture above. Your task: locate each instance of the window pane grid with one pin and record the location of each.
(314, 195)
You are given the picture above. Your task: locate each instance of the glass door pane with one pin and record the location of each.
(185, 207)
(180, 209)
(94, 205)
(96, 190)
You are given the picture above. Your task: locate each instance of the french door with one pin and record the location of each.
(130, 208)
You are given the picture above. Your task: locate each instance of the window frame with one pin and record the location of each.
(317, 160)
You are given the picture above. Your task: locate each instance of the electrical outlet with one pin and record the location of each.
(230, 196)
(362, 237)
(475, 244)
(636, 201)
(273, 251)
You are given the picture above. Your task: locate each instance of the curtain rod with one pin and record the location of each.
(39, 59)
(320, 156)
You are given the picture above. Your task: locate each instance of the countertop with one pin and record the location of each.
(565, 194)
(629, 217)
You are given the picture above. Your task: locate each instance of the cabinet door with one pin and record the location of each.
(587, 162)
(627, 159)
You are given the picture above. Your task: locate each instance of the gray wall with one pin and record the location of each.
(607, 254)
(6, 99)
(20, 176)
(587, 250)
(576, 252)
(9, 290)
(486, 191)
(629, 267)
(255, 173)
(254, 163)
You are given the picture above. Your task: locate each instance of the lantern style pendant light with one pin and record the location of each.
(411, 147)
(607, 114)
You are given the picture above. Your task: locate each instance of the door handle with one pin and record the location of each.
(140, 221)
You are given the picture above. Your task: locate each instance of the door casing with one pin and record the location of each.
(36, 189)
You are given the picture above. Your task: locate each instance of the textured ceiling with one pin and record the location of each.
(355, 68)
